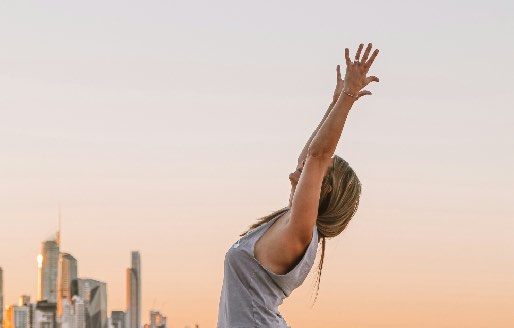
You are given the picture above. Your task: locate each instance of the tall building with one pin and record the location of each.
(131, 316)
(1, 297)
(134, 292)
(118, 319)
(94, 294)
(73, 313)
(44, 315)
(24, 300)
(17, 317)
(48, 266)
(80, 312)
(67, 273)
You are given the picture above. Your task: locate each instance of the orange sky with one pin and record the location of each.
(170, 128)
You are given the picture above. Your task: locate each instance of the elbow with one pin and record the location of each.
(318, 152)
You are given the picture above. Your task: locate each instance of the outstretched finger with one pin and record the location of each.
(338, 69)
(358, 54)
(366, 53)
(347, 56)
(372, 78)
(370, 61)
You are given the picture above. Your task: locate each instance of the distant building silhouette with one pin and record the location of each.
(134, 292)
(24, 300)
(73, 313)
(17, 317)
(118, 319)
(67, 273)
(44, 315)
(48, 266)
(94, 294)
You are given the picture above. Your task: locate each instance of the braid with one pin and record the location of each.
(320, 267)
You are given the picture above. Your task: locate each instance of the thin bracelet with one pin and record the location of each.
(346, 93)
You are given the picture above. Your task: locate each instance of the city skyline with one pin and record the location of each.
(64, 271)
(78, 302)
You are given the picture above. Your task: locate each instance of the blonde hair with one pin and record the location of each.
(338, 203)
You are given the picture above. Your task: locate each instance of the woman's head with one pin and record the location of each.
(339, 198)
(338, 202)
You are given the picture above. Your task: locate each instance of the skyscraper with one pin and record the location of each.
(118, 319)
(1, 297)
(44, 315)
(80, 312)
(131, 316)
(94, 294)
(73, 313)
(67, 273)
(48, 266)
(24, 300)
(17, 316)
(134, 292)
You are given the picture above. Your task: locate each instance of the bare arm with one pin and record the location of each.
(285, 244)
(337, 92)
(305, 202)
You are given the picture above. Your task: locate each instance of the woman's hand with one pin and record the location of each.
(355, 78)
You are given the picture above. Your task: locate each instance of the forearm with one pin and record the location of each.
(325, 141)
(303, 154)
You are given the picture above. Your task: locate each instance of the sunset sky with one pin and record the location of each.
(169, 127)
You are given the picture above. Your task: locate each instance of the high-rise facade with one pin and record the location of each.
(134, 292)
(48, 267)
(17, 316)
(118, 319)
(94, 293)
(44, 315)
(24, 300)
(67, 273)
(131, 316)
(80, 312)
(73, 313)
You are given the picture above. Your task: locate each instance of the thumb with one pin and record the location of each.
(364, 93)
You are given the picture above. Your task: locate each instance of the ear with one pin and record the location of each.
(329, 189)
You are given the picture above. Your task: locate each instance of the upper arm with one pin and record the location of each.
(304, 207)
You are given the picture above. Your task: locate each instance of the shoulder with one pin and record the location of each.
(278, 249)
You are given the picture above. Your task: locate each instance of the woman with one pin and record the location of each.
(274, 257)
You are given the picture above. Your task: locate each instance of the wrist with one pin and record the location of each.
(346, 99)
(351, 93)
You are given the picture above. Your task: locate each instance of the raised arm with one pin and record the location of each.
(304, 208)
(337, 92)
